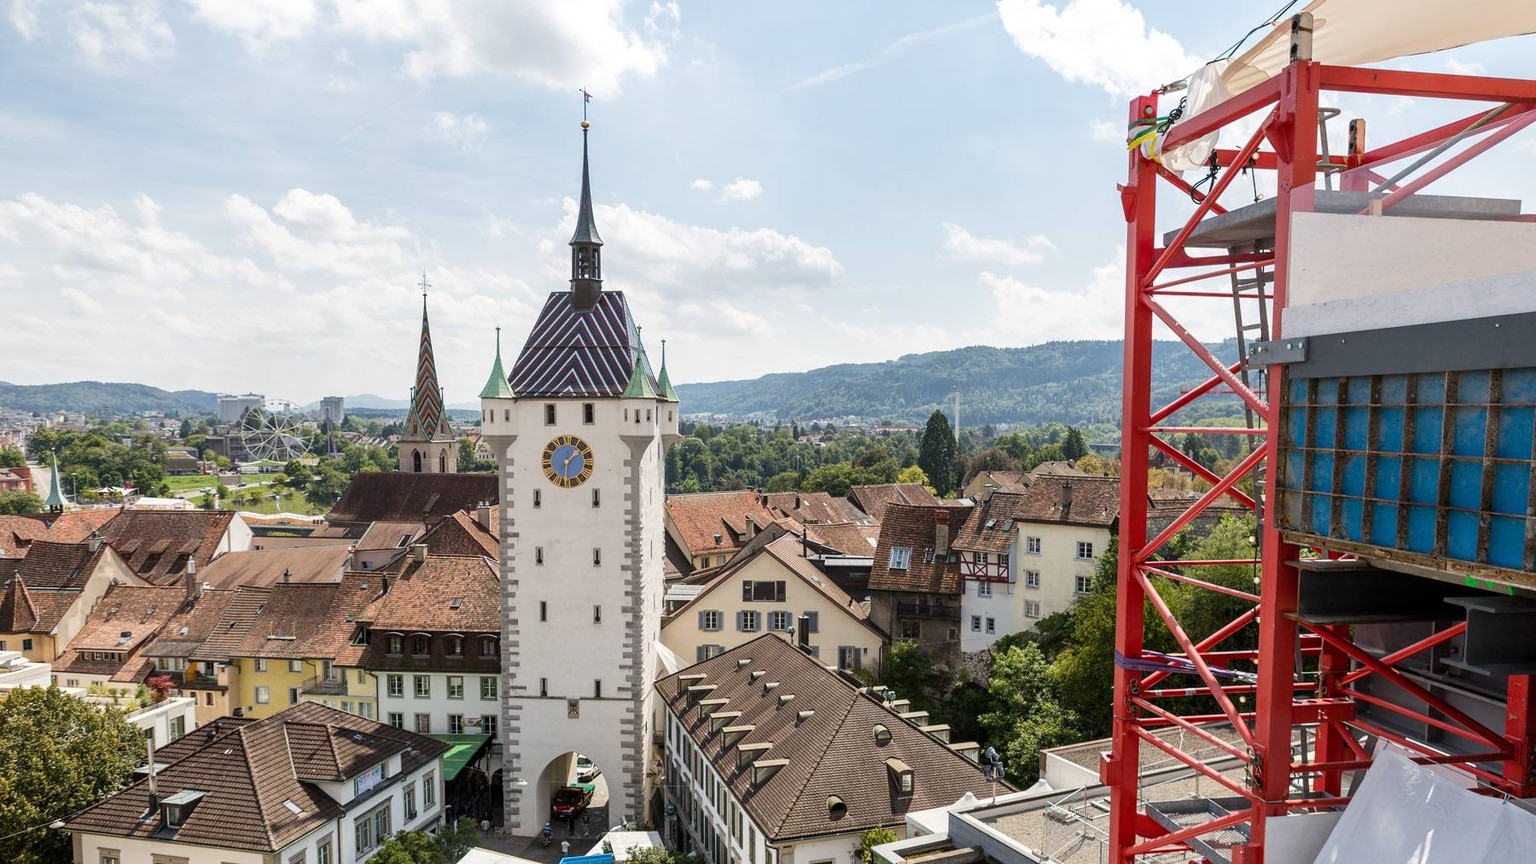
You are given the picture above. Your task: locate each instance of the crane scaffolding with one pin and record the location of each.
(1387, 609)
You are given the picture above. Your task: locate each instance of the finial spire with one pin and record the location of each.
(586, 245)
(497, 386)
(55, 500)
(663, 382)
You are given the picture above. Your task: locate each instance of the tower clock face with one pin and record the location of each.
(567, 461)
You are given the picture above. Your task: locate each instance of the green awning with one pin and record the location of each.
(463, 749)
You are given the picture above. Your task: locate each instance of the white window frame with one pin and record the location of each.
(1031, 609)
(451, 691)
(1082, 584)
(1082, 547)
(983, 589)
(991, 625)
(901, 557)
(263, 695)
(1031, 578)
(1031, 545)
(975, 623)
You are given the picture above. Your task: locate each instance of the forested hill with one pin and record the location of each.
(97, 397)
(1067, 382)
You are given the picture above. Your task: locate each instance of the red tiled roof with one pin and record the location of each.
(874, 499)
(819, 507)
(849, 538)
(124, 621)
(421, 596)
(294, 616)
(191, 625)
(73, 526)
(402, 496)
(1092, 501)
(233, 625)
(699, 517)
(157, 544)
(833, 752)
(462, 534)
(912, 527)
(250, 772)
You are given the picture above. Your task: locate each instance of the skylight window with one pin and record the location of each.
(294, 808)
(455, 602)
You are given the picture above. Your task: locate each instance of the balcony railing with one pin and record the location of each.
(322, 686)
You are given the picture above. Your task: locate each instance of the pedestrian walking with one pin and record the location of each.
(570, 824)
(586, 821)
(485, 827)
(565, 848)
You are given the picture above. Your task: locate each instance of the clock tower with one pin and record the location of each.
(580, 428)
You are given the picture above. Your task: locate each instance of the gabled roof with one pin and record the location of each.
(402, 496)
(699, 516)
(57, 565)
(265, 567)
(786, 551)
(1071, 500)
(818, 507)
(833, 752)
(421, 597)
(153, 542)
(233, 625)
(293, 618)
(462, 534)
(73, 526)
(912, 527)
(575, 352)
(249, 773)
(849, 538)
(874, 499)
(390, 535)
(191, 625)
(124, 621)
(17, 533)
(992, 529)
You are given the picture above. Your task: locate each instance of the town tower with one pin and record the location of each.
(428, 445)
(580, 428)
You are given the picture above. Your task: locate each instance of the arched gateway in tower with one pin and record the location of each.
(580, 428)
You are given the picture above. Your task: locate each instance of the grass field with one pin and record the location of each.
(190, 482)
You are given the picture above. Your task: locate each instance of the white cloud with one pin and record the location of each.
(340, 84)
(1105, 43)
(113, 35)
(1460, 67)
(463, 132)
(320, 234)
(257, 21)
(887, 54)
(740, 189)
(569, 44)
(1104, 130)
(962, 244)
(23, 16)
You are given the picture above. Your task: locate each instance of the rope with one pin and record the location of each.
(1269, 22)
(1154, 661)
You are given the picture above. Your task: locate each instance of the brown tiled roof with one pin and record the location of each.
(1057, 469)
(808, 507)
(849, 538)
(158, 543)
(18, 614)
(58, 565)
(992, 527)
(17, 533)
(832, 752)
(73, 526)
(421, 596)
(191, 625)
(1093, 501)
(399, 496)
(188, 744)
(233, 625)
(294, 616)
(125, 620)
(912, 526)
(786, 551)
(874, 499)
(462, 534)
(390, 535)
(359, 589)
(699, 516)
(1010, 481)
(249, 774)
(265, 567)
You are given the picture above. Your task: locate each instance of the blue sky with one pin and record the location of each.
(241, 196)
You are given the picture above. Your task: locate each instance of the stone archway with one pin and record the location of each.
(565, 770)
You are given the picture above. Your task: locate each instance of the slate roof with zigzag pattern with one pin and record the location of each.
(575, 353)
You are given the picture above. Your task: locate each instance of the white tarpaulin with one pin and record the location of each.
(1407, 814)
(1355, 32)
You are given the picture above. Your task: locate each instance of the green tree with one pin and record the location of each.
(936, 453)
(11, 457)
(408, 847)
(1026, 717)
(994, 459)
(58, 755)
(661, 855)
(913, 474)
(872, 838)
(18, 501)
(455, 841)
(784, 481)
(912, 674)
(1073, 447)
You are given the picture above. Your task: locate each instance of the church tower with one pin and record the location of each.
(428, 445)
(580, 428)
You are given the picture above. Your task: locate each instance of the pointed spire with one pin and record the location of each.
(55, 500)
(640, 386)
(586, 245)
(427, 420)
(497, 387)
(663, 382)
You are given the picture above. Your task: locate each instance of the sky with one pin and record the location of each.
(244, 196)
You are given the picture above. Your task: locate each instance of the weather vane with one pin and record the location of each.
(585, 99)
(424, 284)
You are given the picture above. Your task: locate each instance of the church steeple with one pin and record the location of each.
(586, 245)
(497, 387)
(427, 422)
(55, 500)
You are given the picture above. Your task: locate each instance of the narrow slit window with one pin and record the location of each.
(588, 413)
(543, 610)
(549, 413)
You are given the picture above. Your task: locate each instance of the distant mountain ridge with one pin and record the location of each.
(104, 397)
(1068, 382)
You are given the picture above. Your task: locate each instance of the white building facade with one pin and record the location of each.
(579, 429)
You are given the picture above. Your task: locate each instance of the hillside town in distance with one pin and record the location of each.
(576, 619)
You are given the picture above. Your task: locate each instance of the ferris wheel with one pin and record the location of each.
(275, 432)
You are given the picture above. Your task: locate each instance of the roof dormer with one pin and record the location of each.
(175, 809)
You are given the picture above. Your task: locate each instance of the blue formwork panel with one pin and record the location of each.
(1425, 466)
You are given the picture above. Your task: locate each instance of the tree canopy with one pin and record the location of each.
(58, 754)
(936, 453)
(17, 501)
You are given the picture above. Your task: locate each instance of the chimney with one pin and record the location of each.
(94, 542)
(797, 500)
(193, 591)
(419, 553)
(287, 575)
(940, 532)
(1066, 498)
(803, 633)
(483, 513)
(751, 527)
